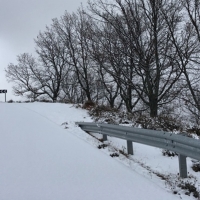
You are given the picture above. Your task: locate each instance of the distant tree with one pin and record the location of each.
(53, 57)
(44, 76)
(73, 93)
(23, 77)
(74, 30)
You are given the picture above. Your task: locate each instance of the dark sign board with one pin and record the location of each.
(3, 91)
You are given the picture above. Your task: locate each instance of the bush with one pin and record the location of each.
(45, 101)
(169, 153)
(196, 167)
(88, 105)
(195, 130)
(98, 111)
(161, 122)
(190, 187)
(10, 101)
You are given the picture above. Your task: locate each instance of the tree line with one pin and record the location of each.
(140, 54)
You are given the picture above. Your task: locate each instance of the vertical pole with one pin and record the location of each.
(182, 166)
(130, 147)
(105, 137)
(5, 96)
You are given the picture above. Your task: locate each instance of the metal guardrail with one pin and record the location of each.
(184, 146)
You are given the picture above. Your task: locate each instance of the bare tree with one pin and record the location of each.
(53, 57)
(71, 89)
(108, 54)
(45, 76)
(187, 43)
(147, 48)
(191, 54)
(23, 77)
(75, 34)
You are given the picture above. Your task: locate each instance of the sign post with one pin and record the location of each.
(4, 91)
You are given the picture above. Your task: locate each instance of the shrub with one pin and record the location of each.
(169, 153)
(196, 167)
(10, 101)
(195, 130)
(88, 105)
(161, 122)
(190, 187)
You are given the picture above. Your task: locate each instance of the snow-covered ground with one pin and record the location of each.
(45, 156)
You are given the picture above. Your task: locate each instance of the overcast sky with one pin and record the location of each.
(20, 23)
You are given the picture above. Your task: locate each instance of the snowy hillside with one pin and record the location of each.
(45, 156)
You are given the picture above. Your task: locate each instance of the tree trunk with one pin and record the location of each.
(153, 105)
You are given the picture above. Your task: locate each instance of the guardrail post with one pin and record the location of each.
(182, 166)
(182, 163)
(129, 147)
(105, 137)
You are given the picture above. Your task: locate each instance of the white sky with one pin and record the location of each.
(20, 23)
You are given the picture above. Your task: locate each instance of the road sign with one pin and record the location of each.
(3, 91)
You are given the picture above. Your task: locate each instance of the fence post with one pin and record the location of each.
(130, 147)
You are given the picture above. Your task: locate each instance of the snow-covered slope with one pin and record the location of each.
(42, 160)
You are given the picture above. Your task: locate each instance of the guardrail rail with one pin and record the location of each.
(184, 146)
